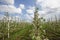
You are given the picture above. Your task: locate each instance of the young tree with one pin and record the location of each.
(36, 23)
(7, 17)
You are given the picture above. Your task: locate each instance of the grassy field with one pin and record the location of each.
(24, 31)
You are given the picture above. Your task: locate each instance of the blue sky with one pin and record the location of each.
(24, 9)
(25, 2)
(16, 4)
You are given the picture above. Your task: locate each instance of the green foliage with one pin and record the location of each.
(24, 30)
(18, 31)
(52, 30)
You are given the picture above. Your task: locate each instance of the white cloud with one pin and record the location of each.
(29, 18)
(42, 12)
(30, 10)
(52, 17)
(16, 18)
(49, 7)
(10, 9)
(49, 3)
(1, 17)
(7, 1)
(39, 1)
(22, 6)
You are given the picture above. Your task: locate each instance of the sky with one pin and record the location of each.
(24, 9)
